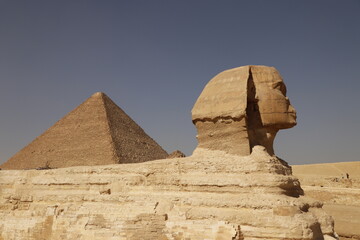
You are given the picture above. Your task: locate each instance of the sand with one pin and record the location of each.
(337, 185)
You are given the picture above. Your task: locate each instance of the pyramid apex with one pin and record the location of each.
(98, 94)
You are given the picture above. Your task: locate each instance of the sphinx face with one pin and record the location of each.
(274, 107)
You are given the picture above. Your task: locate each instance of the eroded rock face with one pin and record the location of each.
(241, 108)
(209, 195)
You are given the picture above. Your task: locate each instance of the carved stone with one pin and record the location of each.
(241, 108)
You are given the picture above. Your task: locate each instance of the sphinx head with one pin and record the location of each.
(242, 107)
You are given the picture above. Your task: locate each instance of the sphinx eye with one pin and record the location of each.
(281, 87)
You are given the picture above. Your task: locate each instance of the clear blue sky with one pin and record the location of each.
(153, 58)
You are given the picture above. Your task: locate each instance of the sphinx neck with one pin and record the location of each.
(264, 137)
(234, 136)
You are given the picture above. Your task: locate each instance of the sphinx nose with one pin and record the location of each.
(291, 108)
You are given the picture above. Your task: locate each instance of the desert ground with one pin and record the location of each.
(337, 185)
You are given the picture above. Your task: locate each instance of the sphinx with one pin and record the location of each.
(232, 187)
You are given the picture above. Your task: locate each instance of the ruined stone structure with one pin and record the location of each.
(176, 154)
(97, 132)
(218, 193)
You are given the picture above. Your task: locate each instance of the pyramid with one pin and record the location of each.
(97, 132)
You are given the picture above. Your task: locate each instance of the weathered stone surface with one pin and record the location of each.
(210, 195)
(97, 132)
